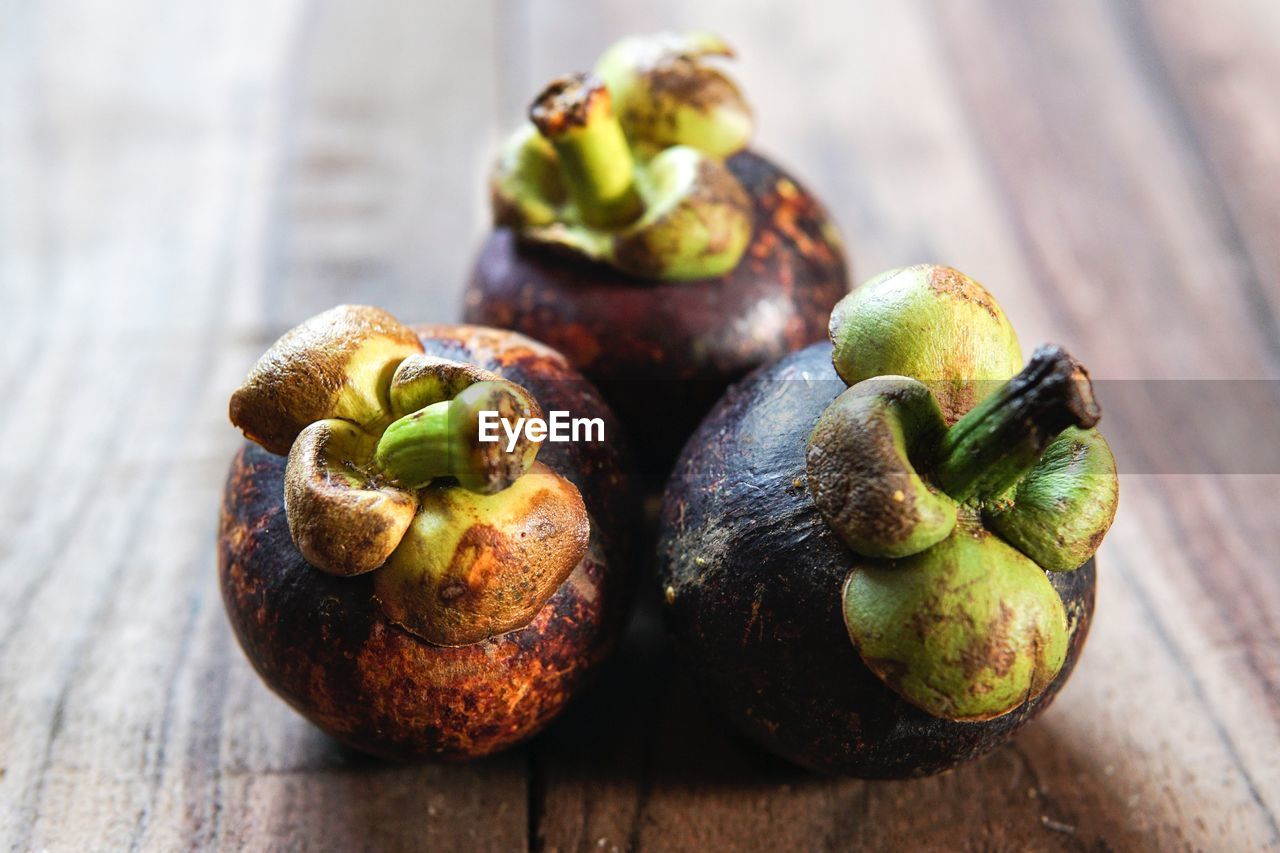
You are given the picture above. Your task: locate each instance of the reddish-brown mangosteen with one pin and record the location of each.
(878, 558)
(412, 589)
(637, 234)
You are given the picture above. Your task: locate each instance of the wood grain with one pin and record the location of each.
(181, 182)
(186, 182)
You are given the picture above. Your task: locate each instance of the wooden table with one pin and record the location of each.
(179, 182)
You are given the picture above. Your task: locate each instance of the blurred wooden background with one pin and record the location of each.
(179, 182)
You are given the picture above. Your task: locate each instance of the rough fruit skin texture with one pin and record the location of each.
(324, 644)
(661, 353)
(753, 575)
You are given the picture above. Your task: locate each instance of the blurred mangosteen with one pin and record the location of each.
(637, 233)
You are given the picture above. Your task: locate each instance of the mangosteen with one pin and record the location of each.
(409, 588)
(637, 233)
(877, 557)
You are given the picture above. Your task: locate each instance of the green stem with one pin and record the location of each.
(443, 440)
(419, 447)
(575, 114)
(995, 444)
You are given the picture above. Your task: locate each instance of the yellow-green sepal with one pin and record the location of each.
(473, 566)
(697, 222)
(861, 474)
(665, 93)
(969, 629)
(931, 323)
(344, 518)
(337, 364)
(526, 189)
(1059, 512)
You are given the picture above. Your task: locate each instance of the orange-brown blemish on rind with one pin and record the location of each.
(473, 566)
(952, 282)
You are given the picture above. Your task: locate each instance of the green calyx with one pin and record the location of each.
(352, 490)
(388, 474)
(890, 476)
(626, 166)
(961, 517)
(1058, 513)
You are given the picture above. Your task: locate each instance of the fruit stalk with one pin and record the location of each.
(443, 440)
(575, 114)
(989, 449)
